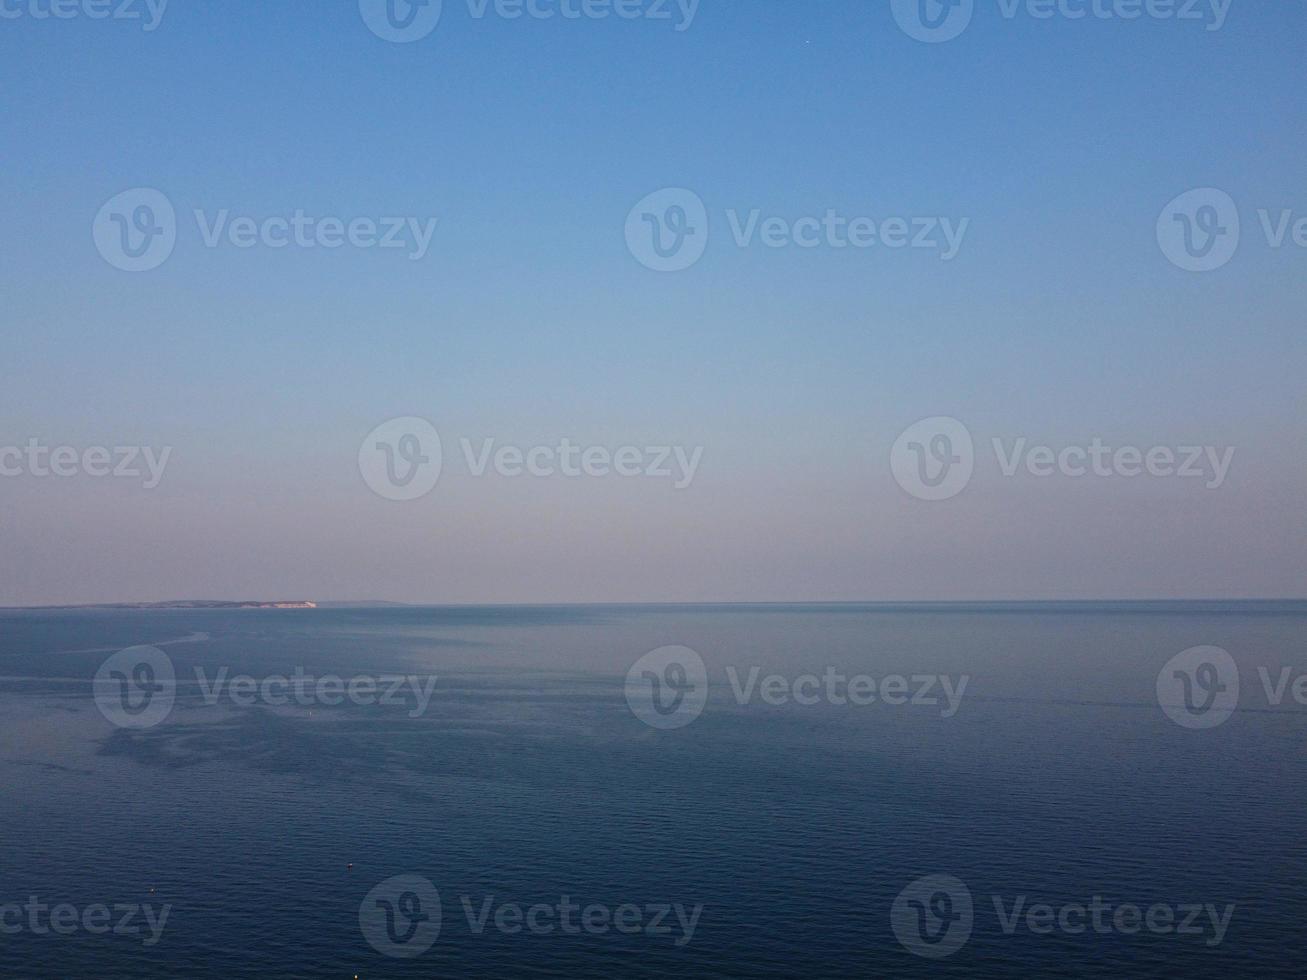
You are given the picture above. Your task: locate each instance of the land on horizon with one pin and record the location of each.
(385, 603)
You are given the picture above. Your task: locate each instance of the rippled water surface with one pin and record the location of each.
(527, 778)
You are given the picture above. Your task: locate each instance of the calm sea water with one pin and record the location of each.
(792, 828)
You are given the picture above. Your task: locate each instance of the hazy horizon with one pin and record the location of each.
(437, 604)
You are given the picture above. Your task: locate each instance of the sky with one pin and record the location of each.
(788, 361)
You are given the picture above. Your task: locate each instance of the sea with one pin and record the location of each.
(1113, 789)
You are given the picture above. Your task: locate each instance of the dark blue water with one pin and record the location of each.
(790, 827)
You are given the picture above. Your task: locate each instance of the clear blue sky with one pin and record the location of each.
(1059, 320)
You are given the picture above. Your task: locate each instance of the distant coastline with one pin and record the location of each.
(1031, 606)
(190, 604)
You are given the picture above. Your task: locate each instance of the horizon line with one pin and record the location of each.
(199, 604)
